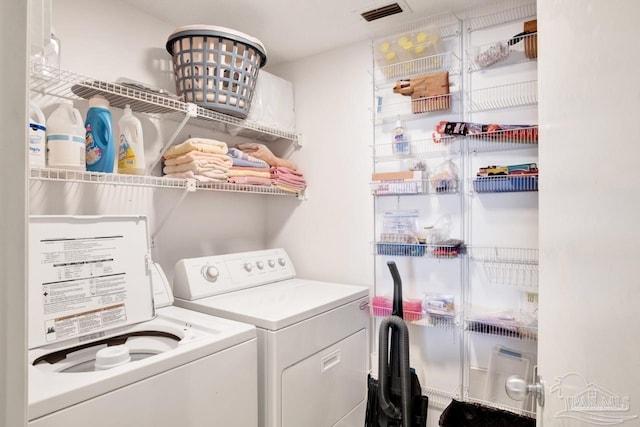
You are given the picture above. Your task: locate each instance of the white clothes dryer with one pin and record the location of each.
(312, 336)
(106, 346)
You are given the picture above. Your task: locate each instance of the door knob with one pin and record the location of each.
(518, 389)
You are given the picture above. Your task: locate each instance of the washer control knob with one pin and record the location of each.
(271, 263)
(210, 273)
(260, 265)
(281, 261)
(248, 266)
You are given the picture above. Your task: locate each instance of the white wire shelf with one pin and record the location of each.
(434, 187)
(486, 16)
(502, 140)
(502, 53)
(507, 329)
(505, 184)
(508, 266)
(419, 318)
(439, 399)
(505, 256)
(419, 148)
(65, 84)
(447, 61)
(45, 174)
(504, 96)
(408, 109)
(437, 251)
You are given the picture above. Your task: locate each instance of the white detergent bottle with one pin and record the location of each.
(131, 148)
(66, 138)
(37, 137)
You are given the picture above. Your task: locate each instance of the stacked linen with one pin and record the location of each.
(247, 169)
(202, 159)
(288, 179)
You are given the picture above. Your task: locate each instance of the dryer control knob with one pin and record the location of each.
(211, 273)
(281, 261)
(248, 266)
(260, 265)
(271, 263)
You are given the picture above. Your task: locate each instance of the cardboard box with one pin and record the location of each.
(397, 176)
(531, 42)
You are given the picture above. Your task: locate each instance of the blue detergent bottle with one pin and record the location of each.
(100, 149)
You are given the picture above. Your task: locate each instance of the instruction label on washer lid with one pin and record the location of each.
(86, 275)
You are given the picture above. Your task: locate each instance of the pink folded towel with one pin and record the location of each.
(287, 177)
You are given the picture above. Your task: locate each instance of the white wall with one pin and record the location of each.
(13, 113)
(329, 235)
(589, 199)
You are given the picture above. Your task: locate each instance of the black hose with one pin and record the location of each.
(394, 357)
(400, 329)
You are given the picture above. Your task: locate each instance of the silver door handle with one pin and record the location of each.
(518, 389)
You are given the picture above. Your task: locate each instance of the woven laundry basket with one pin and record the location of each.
(216, 67)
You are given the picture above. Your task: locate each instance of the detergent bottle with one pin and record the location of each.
(131, 148)
(65, 138)
(37, 137)
(100, 151)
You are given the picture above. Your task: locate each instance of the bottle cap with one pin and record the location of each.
(98, 101)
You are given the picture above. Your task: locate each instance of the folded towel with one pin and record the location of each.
(197, 168)
(191, 175)
(288, 177)
(196, 144)
(284, 171)
(288, 188)
(240, 158)
(221, 159)
(263, 153)
(257, 172)
(251, 180)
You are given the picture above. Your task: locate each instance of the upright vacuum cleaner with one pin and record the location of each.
(395, 399)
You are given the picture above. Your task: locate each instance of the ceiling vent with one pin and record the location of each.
(381, 12)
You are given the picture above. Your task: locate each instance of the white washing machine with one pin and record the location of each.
(106, 346)
(312, 336)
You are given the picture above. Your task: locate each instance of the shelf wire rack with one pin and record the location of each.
(504, 96)
(446, 145)
(46, 174)
(65, 84)
(502, 140)
(508, 266)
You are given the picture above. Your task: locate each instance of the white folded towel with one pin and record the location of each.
(197, 144)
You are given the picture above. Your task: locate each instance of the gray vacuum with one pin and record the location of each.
(395, 399)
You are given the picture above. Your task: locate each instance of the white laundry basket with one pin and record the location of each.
(216, 67)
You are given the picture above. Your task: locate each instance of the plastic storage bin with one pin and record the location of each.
(216, 67)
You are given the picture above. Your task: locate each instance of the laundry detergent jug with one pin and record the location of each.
(37, 138)
(65, 138)
(100, 154)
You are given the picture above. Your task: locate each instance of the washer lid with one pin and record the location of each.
(87, 275)
(278, 305)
